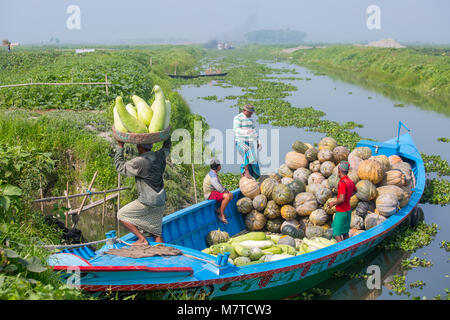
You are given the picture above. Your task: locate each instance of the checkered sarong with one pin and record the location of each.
(143, 217)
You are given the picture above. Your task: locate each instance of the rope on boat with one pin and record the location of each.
(69, 246)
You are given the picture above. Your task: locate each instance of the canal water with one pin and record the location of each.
(343, 101)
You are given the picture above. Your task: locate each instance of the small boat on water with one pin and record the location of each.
(198, 75)
(201, 273)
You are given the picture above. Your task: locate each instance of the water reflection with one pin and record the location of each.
(436, 103)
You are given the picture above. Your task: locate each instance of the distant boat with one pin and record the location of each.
(198, 75)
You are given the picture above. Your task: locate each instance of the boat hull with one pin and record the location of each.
(271, 280)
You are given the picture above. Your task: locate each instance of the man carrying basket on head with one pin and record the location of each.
(146, 212)
(247, 141)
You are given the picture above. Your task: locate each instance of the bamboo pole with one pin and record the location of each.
(41, 192)
(195, 184)
(93, 204)
(66, 193)
(151, 61)
(104, 210)
(89, 189)
(55, 84)
(106, 84)
(118, 205)
(80, 195)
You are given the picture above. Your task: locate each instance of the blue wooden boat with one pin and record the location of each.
(214, 277)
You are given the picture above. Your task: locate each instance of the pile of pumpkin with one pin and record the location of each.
(292, 201)
(257, 247)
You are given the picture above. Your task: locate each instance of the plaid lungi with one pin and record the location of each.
(143, 217)
(250, 159)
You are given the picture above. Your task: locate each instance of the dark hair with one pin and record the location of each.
(215, 164)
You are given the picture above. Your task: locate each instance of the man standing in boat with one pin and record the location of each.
(146, 212)
(343, 215)
(247, 141)
(214, 190)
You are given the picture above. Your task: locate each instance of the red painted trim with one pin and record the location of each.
(77, 257)
(124, 269)
(188, 284)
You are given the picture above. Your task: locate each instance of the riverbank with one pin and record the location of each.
(418, 76)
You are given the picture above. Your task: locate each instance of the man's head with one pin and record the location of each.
(143, 148)
(343, 168)
(215, 165)
(248, 110)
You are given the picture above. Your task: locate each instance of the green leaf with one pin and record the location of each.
(10, 268)
(3, 228)
(35, 265)
(10, 253)
(5, 202)
(10, 190)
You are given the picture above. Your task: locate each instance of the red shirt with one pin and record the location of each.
(345, 187)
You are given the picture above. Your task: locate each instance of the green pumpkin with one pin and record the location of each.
(260, 202)
(299, 146)
(244, 205)
(297, 186)
(217, 236)
(267, 186)
(272, 210)
(274, 225)
(333, 182)
(327, 143)
(282, 194)
(362, 152)
(284, 171)
(366, 190)
(311, 154)
(255, 221)
(292, 228)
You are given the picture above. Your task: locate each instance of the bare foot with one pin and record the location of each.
(140, 242)
(222, 217)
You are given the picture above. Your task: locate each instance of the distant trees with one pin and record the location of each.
(212, 44)
(267, 36)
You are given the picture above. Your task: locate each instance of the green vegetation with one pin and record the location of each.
(415, 262)
(442, 139)
(413, 75)
(55, 146)
(408, 238)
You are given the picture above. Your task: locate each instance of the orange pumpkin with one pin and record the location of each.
(249, 187)
(394, 177)
(295, 160)
(394, 159)
(288, 212)
(370, 170)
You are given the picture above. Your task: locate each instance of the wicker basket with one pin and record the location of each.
(141, 138)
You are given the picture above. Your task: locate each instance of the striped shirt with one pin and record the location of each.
(240, 126)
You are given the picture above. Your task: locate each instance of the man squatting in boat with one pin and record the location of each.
(214, 190)
(144, 214)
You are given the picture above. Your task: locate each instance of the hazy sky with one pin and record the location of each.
(103, 21)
